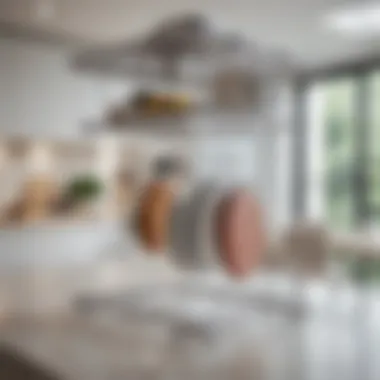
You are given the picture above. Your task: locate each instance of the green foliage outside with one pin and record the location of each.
(340, 96)
(339, 152)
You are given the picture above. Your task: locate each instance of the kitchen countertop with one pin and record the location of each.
(330, 341)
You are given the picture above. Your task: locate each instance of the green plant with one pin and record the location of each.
(84, 188)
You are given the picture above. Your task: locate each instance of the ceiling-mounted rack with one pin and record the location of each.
(184, 49)
(230, 74)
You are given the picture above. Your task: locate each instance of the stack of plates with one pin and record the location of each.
(210, 227)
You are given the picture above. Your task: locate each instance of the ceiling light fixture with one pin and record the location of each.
(362, 19)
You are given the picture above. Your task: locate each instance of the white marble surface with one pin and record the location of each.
(337, 336)
(149, 332)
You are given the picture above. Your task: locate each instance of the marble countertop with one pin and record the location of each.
(336, 337)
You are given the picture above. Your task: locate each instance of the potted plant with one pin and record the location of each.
(81, 192)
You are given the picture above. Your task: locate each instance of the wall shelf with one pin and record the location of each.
(207, 120)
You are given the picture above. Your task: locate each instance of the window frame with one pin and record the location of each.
(359, 72)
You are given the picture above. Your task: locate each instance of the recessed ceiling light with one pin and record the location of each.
(362, 19)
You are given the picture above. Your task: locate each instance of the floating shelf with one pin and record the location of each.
(148, 128)
(204, 120)
(167, 132)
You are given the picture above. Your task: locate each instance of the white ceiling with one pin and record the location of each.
(293, 25)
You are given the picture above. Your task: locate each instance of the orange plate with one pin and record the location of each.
(240, 233)
(155, 209)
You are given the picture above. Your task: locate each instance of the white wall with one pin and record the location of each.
(41, 96)
(257, 148)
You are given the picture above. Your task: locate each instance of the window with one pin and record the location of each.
(343, 172)
(374, 148)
